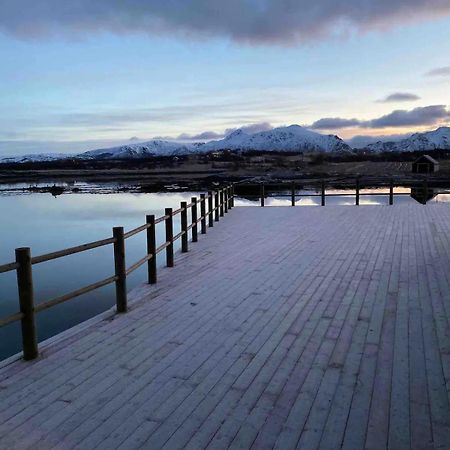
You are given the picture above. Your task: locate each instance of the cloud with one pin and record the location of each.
(204, 136)
(257, 21)
(251, 129)
(439, 72)
(427, 115)
(399, 97)
(334, 123)
(210, 135)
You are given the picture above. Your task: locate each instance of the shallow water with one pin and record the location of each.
(46, 224)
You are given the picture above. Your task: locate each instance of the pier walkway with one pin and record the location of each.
(283, 328)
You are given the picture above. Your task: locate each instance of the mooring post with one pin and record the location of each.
(169, 236)
(203, 213)
(184, 228)
(26, 301)
(357, 192)
(391, 193)
(221, 202)
(323, 193)
(293, 194)
(216, 206)
(262, 194)
(120, 269)
(194, 218)
(151, 249)
(210, 209)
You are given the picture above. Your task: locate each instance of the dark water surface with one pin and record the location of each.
(46, 224)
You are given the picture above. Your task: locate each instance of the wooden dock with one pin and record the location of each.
(285, 328)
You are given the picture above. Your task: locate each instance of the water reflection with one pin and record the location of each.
(47, 224)
(346, 197)
(423, 195)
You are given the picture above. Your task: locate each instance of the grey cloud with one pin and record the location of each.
(252, 128)
(427, 115)
(209, 135)
(399, 97)
(334, 123)
(439, 72)
(204, 136)
(273, 21)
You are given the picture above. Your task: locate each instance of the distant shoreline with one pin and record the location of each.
(198, 173)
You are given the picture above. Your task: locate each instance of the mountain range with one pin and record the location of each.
(293, 138)
(431, 140)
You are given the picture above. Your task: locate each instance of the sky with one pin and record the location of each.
(81, 75)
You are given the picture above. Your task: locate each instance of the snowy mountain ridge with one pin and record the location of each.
(38, 157)
(430, 140)
(288, 139)
(293, 138)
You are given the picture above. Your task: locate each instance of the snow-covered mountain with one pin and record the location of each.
(288, 139)
(292, 138)
(431, 140)
(156, 147)
(39, 157)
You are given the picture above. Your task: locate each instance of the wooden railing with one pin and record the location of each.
(262, 190)
(212, 206)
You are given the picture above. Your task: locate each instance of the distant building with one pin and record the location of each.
(425, 164)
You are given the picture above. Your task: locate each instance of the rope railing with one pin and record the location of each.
(220, 200)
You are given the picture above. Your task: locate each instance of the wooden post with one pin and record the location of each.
(203, 213)
(184, 225)
(210, 209)
(121, 269)
(225, 199)
(26, 300)
(357, 192)
(194, 217)
(232, 195)
(151, 249)
(391, 193)
(169, 236)
(293, 194)
(262, 194)
(216, 205)
(323, 193)
(221, 202)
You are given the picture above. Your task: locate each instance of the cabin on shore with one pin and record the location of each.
(425, 164)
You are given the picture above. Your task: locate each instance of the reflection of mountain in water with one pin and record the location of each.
(422, 194)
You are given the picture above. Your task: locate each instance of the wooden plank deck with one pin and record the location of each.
(284, 328)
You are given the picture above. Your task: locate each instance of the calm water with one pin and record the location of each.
(46, 224)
